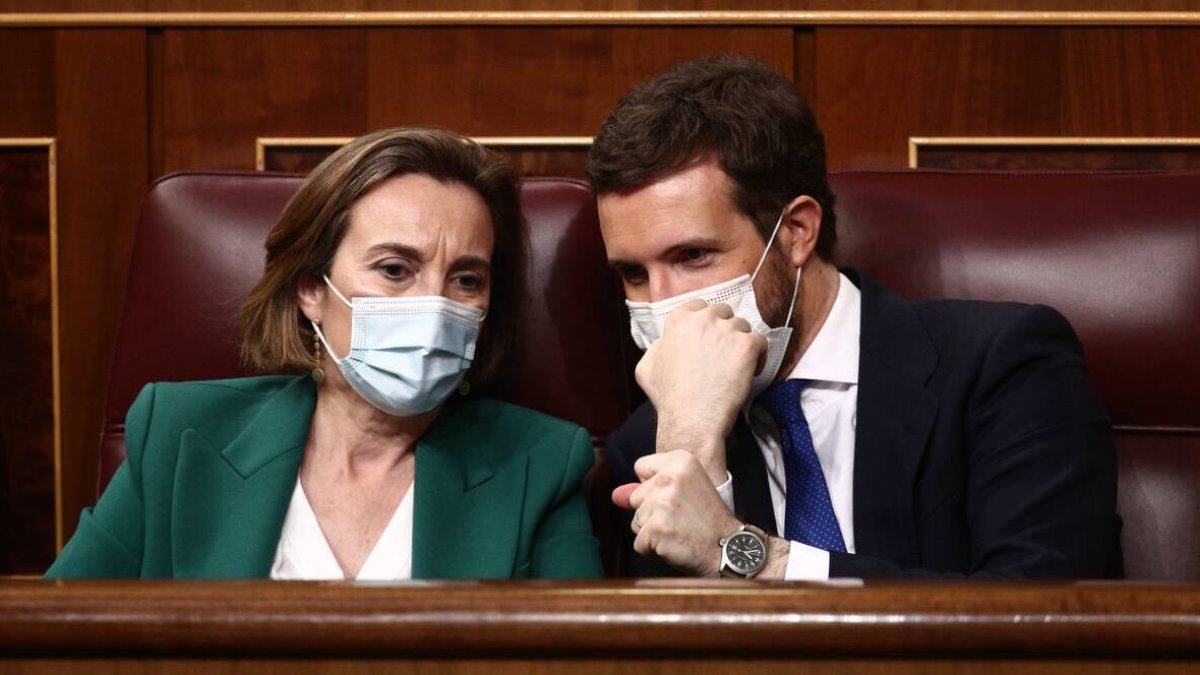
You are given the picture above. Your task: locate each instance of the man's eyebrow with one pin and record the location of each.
(695, 242)
(396, 248)
(619, 263)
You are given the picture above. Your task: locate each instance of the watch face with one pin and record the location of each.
(745, 553)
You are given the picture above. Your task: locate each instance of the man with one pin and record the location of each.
(804, 422)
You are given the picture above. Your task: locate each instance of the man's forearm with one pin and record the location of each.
(707, 446)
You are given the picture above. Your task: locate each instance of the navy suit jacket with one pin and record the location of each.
(981, 448)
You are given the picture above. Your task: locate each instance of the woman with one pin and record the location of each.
(391, 282)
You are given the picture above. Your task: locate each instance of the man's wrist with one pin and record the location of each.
(778, 551)
(708, 447)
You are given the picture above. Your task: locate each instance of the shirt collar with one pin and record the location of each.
(833, 354)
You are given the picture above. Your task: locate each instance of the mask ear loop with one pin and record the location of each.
(763, 259)
(337, 292)
(795, 292)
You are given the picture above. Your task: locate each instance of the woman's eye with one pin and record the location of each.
(471, 282)
(394, 271)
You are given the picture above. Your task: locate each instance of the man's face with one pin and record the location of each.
(683, 233)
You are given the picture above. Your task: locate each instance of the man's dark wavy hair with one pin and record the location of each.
(739, 111)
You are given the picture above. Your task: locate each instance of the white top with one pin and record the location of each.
(304, 553)
(830, 405)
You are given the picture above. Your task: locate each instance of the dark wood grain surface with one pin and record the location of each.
(876, 87)
(531, 161)
(608, 621)
(101, 129)
(27, 82)
(1064, 157)
(592, 5)
(26, 361)
(477, 81)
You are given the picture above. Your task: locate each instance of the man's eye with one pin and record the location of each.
(695, 255)
(632, 275)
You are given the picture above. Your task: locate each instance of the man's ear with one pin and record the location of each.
(310, 295)
(800, 229)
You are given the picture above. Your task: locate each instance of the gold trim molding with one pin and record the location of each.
(263, 143)
(51, 147)
(591, 18)
(915, 143)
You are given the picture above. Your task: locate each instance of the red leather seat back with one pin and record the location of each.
(1119, 255)
(199, 251)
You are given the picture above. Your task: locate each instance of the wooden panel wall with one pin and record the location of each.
(128, 104)
(876, 87)
(479, 81)
(26, 363)
(594, 5)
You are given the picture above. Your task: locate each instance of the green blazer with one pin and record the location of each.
(211, 466)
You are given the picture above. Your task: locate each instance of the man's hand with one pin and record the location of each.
(698, 376)
(678, 516)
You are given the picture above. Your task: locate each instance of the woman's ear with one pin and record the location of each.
(310, 295)
(800, 228)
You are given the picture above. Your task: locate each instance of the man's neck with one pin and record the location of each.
(818, 290)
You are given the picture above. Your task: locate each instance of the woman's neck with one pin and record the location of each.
(353, 438)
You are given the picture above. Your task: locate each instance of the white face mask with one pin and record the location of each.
(407, 355)
(646, 319)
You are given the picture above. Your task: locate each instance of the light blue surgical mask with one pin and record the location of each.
(409, 354)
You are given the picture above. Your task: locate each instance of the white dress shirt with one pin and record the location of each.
(830, 405)
(304, 553)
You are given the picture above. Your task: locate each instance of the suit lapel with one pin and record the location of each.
(469, 498)
(895, 416)
(751, 493)
(229, 504)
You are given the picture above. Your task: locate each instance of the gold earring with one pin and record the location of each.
(464, 388)
(318, 375)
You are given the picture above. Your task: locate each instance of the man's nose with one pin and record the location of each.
(662, 286)
(666, 285)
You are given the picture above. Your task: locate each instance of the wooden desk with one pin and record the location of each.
(606, 627)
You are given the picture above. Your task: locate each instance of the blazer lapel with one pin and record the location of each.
(469, 499)
(229, 504)
(895, 416)
(751, 493)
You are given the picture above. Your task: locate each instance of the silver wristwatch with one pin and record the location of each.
(743, 553)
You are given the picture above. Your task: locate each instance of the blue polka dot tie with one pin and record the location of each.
(809, 517)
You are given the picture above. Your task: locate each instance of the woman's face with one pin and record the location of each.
(410, 235)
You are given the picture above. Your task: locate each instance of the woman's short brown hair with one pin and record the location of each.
(276, 334)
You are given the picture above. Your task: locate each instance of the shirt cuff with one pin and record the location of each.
(725, 491)
(806, 563)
